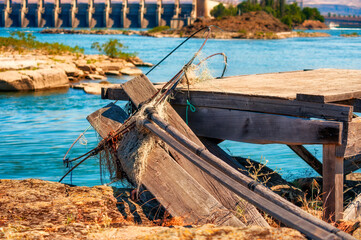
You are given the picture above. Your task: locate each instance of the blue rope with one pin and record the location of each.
(191, 107)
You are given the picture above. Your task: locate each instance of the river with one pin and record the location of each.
(37, 128)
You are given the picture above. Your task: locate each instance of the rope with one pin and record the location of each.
(189, 107)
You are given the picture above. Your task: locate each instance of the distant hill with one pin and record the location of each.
(336, 9)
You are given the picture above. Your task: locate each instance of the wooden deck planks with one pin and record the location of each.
(332, 84)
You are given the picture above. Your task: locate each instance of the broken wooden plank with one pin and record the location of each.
(303, 153)
(273, 204)
(176, 190)
(107, 119)
(260, 128)
(328, 98)
(332, 184)
(139, 90)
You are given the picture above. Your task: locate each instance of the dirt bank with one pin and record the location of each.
(252, 25)
(36, 209)
(312, 25)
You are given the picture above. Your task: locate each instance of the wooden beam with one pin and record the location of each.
(139, 90)
(252, 103)
(332, 184)
(328, 98)
(352, 164)
(303, 153)
(260, 128)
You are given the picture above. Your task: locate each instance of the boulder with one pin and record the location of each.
(131, 71)
(33, 79)
(95, 77)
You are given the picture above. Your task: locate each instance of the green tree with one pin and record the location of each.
(219, 11)
(312, 14)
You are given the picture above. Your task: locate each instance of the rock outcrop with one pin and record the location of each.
(27, 80)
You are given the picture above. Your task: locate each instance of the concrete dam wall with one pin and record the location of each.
(96, 14)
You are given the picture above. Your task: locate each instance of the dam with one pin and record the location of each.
(100, 13)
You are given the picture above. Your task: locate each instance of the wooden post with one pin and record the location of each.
(332, 183)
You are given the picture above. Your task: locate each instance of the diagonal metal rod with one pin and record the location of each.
(204, 154)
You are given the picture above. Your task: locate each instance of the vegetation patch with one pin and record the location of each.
(290, 14)
(158, 29)
(22, 42)
(354, 34)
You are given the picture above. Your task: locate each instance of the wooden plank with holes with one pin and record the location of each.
(176, 190)
(332, 183)
(139, 90)
(260, 128)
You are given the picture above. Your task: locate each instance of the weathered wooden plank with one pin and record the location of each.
(114, 93)
(260, 128)
(251, 214)
(141, 89)
(353, 211)
(180, 194)
(252, 103)
(303, 153)
(332, 184)
(176, 190)
(107, 119)
(328, 98)
(325, 82)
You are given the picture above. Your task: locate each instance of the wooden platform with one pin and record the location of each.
(292, 108)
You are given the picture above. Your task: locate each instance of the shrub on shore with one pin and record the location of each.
(21, 42)
(113, 49)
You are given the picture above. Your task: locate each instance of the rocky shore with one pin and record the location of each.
(252, 25)
(35, 71)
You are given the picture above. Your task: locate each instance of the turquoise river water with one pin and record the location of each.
(37, 128)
